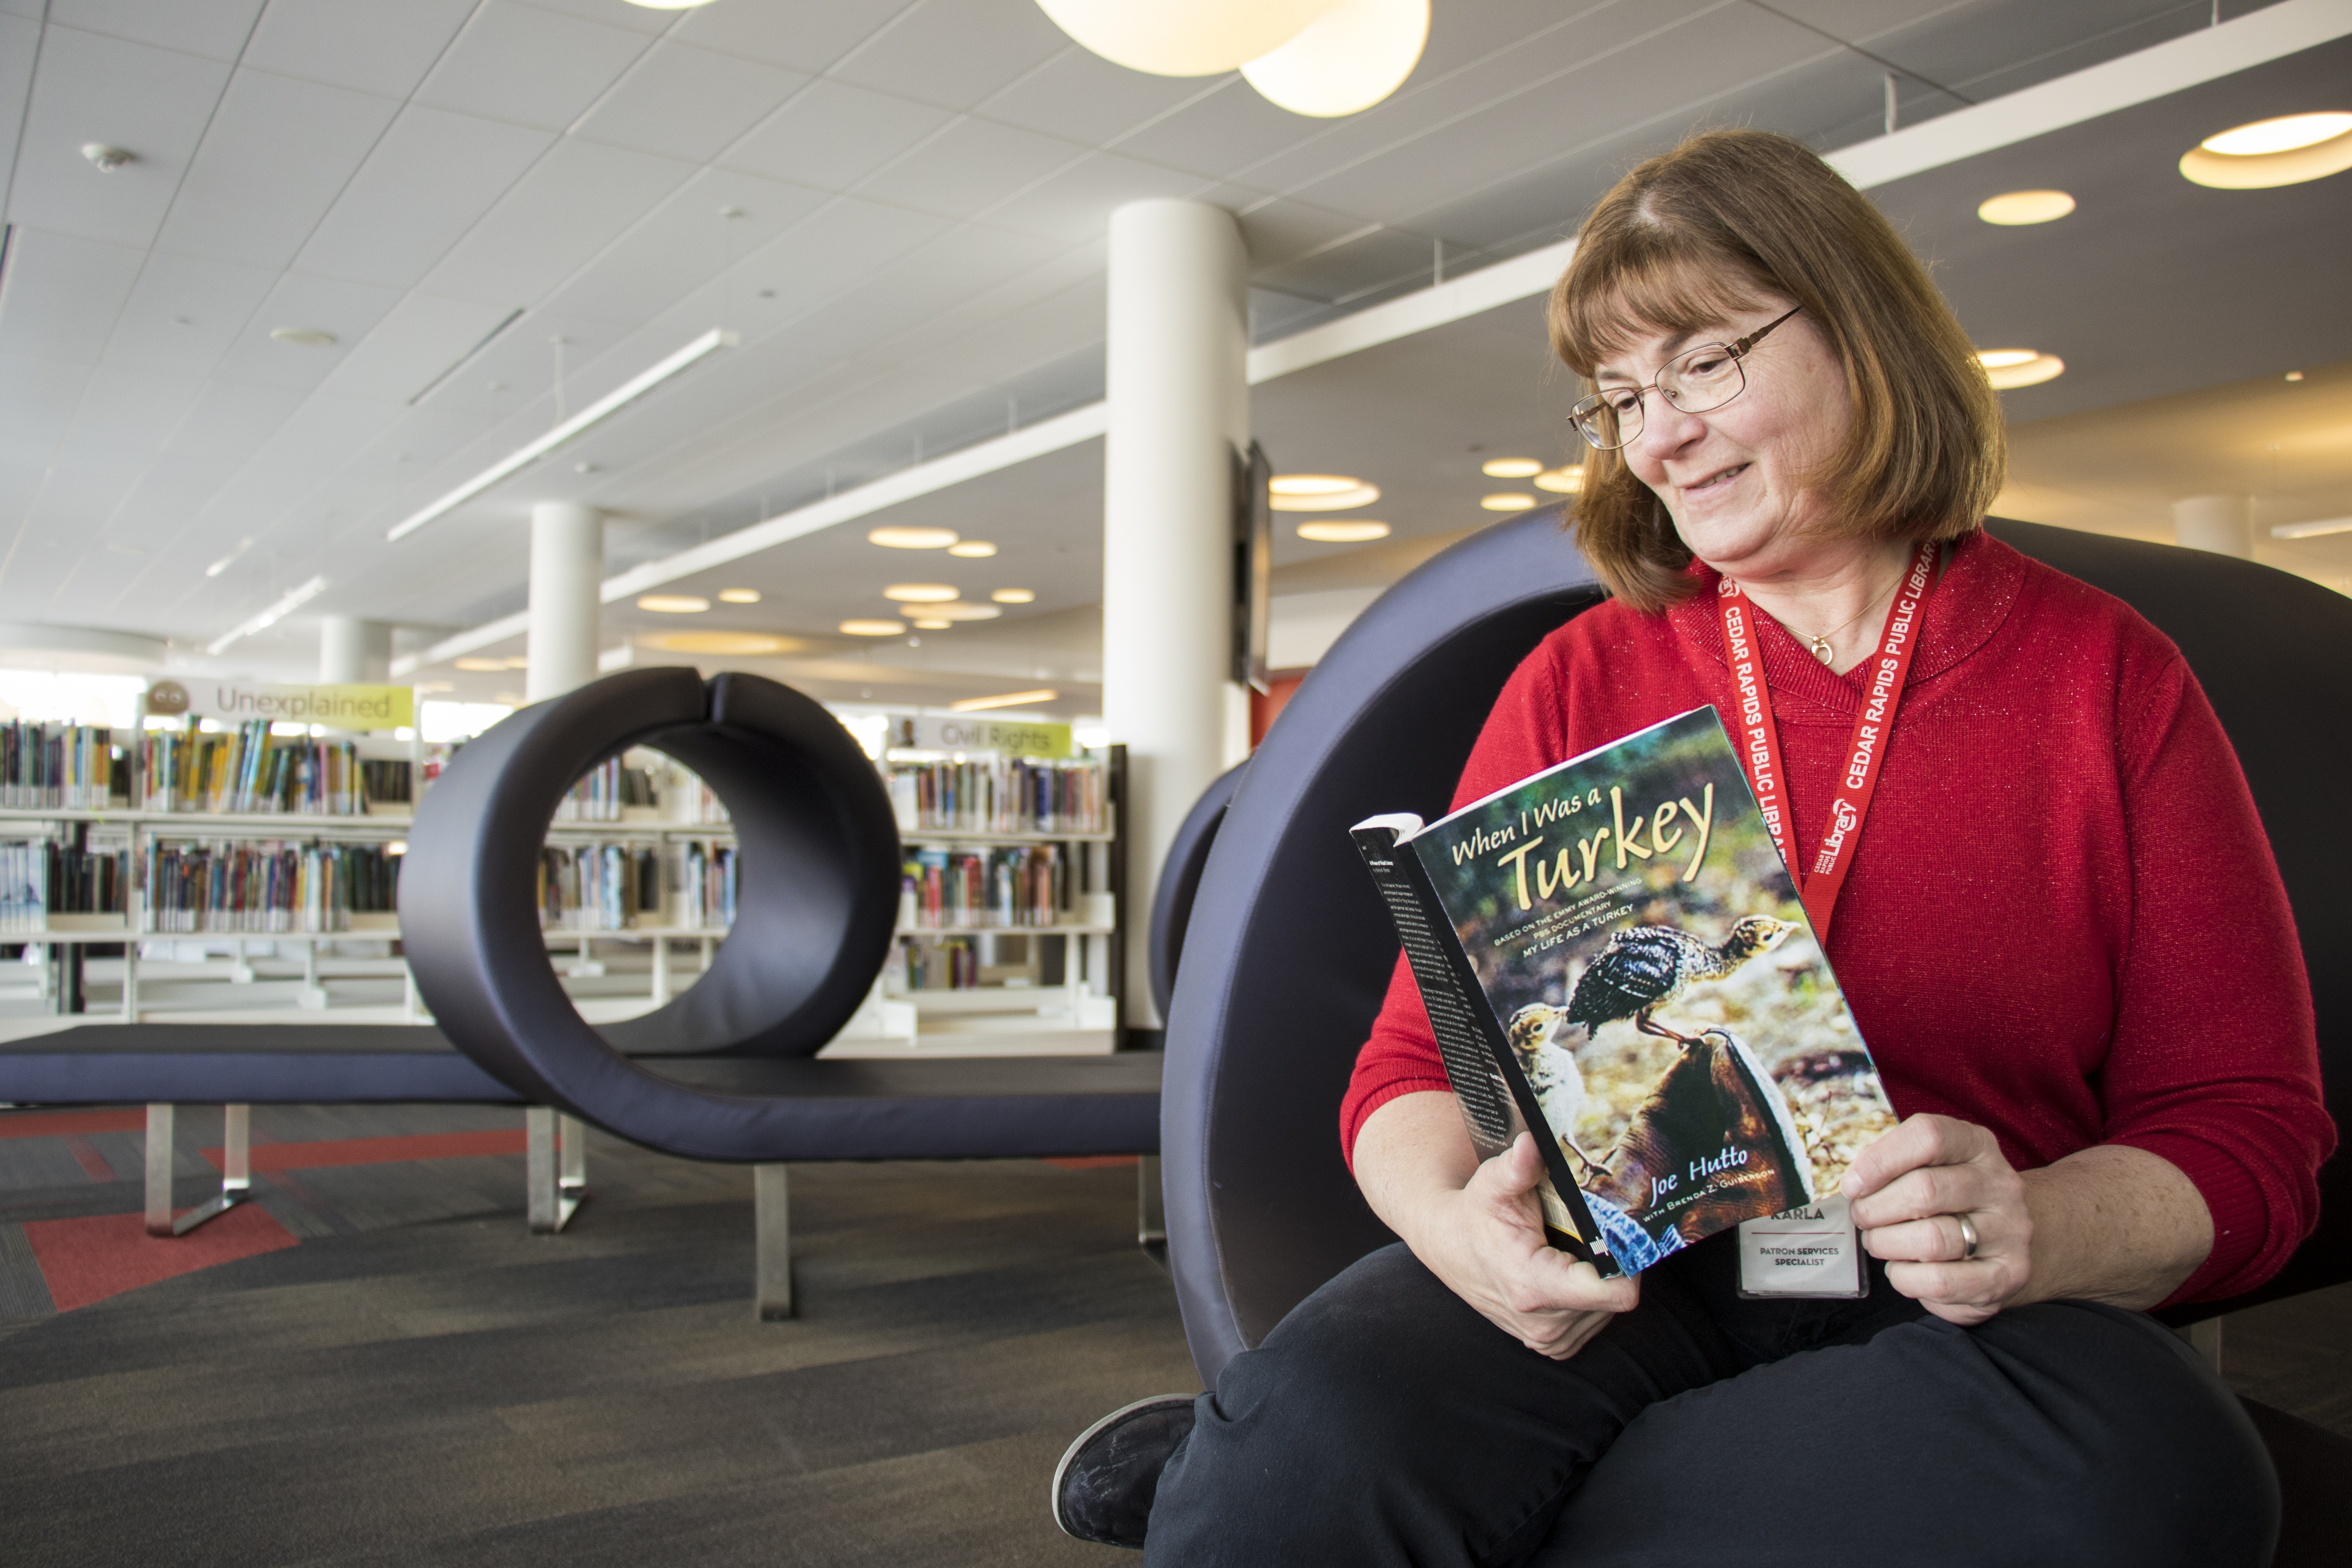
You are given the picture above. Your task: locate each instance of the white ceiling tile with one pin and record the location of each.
(232, 419)
(1075, 206)
(969, 166)
(803, 34)
(529, 66)
(900, 298)
(349, 310)
(1281, 230)
(832, 135)
(683, 244)
(38, 398)
(612, 13)
(216, 29)
(151, 102)
(687, 103)
(278, 153)
(574, 202)
(954, 53)
(360, 44)
(418, 340)
(835, 250)
(20, 39)
(186, 312)
(323, 433)
(131, 412)
(63, 294)
(429, 179)
(1081, 97)
(1230, 129)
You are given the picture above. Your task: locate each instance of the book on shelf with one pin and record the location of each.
(641, 786)
(998, 794)
(257, 887)
(706, 884)
(50, 767)
(45, 885)
(598, 887)
(1013, 888)
(1613, 955)
(246, 769)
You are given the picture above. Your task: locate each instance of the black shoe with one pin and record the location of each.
(1104, 1486)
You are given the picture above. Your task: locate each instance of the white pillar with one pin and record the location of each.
(353, 652)
(567, 568)
(1179, 396)
(2223, 524)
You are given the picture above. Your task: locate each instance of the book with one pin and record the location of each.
(1612, 954)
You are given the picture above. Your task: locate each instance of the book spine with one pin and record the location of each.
(1495, 1097)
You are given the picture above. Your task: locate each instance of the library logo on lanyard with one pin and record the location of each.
(1815, 1251)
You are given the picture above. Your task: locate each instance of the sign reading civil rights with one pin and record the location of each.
(962, 732)
(238, 701)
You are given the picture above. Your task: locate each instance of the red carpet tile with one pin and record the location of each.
(380, 1151)
(57, 1123)
(86, 1261)
(1090, 1162)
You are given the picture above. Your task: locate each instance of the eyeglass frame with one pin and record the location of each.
(1737, 351)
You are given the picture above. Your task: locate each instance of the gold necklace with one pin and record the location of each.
(1819, 642)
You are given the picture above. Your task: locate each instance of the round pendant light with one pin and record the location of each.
(2015, 209)
(1343, 531)
(1345, 60)
(1183, 37)
(2009, 369)
(2286, 150)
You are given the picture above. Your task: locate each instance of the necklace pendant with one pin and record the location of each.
(1822, 650)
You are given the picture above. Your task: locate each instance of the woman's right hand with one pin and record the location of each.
(1486, 1241)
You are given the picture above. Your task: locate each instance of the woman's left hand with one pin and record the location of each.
(1911, 1190)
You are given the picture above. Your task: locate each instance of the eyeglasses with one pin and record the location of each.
(1694, 382)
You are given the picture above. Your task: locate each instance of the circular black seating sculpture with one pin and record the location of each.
(1180, 881)
(724, 1070)
(1289, 952)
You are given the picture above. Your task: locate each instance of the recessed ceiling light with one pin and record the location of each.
(1009, 700)
(957, 610)
(2286, 150)
(1509, 501)
(913, 538)
(928, 625)
(2014, 209)
(738, 596)
(1343, 531)
(516, 661)
(674, 603)
(920, 593)
(2295, 375)
(1567, 481)
(2009, 369)
(669, 5)
(1319, 492)
(2312, 530)
(1510, 468)
(729, 642)
(482, 665)
(437, 685)
(973, 548)
(107, 158)
(304, 337)
(1015, 596)
(872, 629)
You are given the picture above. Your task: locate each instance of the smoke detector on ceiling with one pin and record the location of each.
(108, 159)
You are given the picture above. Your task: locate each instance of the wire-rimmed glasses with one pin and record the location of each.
(1695, 382)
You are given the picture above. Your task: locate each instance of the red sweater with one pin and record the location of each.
(2064, 922)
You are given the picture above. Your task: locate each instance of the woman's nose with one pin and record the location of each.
(1665, 430)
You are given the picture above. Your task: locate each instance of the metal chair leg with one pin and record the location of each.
(236, 1170)
(556, 1164)
(771, 1224)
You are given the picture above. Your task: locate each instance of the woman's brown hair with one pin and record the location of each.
(1724, 223)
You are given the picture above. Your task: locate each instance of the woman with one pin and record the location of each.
(2109, 1087)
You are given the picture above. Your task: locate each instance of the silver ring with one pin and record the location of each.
(1967, 1238)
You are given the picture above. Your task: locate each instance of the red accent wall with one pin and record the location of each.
(1267, 707)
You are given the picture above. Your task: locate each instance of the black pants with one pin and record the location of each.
(1385, 1422)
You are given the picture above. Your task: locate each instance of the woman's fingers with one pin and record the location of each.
(1922, 1141)
(1936, 1239)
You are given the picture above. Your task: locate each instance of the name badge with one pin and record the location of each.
(1812, 1251)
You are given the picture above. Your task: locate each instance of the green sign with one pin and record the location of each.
(239, 702)
(972, 732)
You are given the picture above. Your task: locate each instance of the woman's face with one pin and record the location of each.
(1733, 478)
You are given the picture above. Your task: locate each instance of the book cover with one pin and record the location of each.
(1614, 949)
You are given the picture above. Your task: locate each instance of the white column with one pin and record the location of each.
(567, 568)
(353, 652)
(1179, 397)
(2223, 524)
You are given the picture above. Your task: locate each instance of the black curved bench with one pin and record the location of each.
(1289, 953)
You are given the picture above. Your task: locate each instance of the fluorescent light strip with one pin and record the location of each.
(2313, 529)
(270, 617)
(530, 452)
(1009, 700)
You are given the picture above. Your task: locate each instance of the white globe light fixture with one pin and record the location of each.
(1346, 60)
(1183, 37)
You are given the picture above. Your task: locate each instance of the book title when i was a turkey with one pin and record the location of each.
(1612, 952)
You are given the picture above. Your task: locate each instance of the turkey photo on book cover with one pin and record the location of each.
(1641, 944)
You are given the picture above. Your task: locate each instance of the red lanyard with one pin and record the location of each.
(1759, 734)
